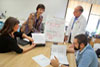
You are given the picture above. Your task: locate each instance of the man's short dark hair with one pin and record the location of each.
(40, 6)
(82, 38)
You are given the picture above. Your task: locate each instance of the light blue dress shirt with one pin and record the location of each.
(87, 57)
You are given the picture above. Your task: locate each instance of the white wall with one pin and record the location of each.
(22, 8)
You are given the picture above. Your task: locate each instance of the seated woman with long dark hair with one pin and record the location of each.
(8, 36)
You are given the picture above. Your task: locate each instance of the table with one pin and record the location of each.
(13, 59)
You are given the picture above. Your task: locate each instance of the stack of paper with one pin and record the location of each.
(59, 51)
(41, 60)
(38, 38)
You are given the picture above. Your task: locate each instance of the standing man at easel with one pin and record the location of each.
(77, 25)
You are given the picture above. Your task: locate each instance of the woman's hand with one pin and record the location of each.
(33, 45)
(27, 37)
(29, 48)
(30, 39)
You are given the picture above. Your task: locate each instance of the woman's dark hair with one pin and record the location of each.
(40, 6)
(9, 25)
(82, 38)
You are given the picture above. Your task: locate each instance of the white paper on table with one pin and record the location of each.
(38, 38)
(96, 46)
(59, 51)
(41, 60)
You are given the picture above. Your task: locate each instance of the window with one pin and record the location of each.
(72, 4)
(93, 26)
(91, 13)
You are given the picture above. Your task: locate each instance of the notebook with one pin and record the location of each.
(59, 51)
